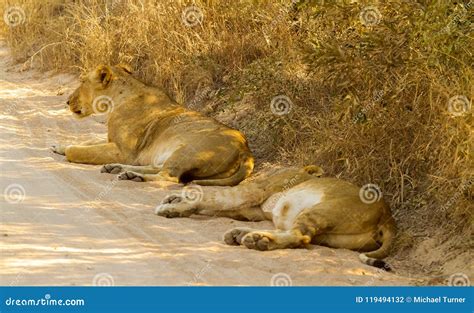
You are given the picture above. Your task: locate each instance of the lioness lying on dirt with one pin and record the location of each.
(150, 137)
(304, 209)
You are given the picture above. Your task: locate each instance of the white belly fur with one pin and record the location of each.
(296, 200)
(157, 154)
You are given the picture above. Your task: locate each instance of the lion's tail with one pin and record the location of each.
(244, 170)
(374, 258)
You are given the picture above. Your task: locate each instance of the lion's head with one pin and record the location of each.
(96, 92)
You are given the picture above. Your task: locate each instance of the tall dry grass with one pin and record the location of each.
(369, 85)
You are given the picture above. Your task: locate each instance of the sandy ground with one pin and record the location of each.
(68, 224)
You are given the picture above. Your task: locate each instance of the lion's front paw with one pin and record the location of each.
(172, 199)
(59, 149)
(162, 210)
(258, 241)
(131, 176)
(113, 168)
(234, 236)
(175, 210)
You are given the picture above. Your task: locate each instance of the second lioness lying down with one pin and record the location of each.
(304, 207)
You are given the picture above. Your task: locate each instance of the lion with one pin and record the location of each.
(304, 207)
(151, 137)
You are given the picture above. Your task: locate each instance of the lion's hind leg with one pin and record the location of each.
(139, 177)
(116, 168)
(299, 233)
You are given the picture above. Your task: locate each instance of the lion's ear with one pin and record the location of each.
(314, 170)
(127, 68)
(104, 74)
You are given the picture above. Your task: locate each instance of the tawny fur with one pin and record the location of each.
(150, 137)
(304, 207)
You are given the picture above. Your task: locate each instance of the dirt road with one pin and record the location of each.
(68, 224)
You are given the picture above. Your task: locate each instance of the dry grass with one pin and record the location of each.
(369, 102)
